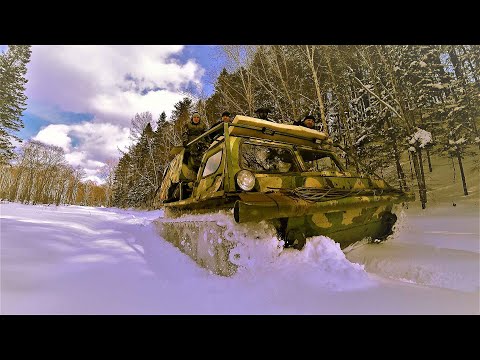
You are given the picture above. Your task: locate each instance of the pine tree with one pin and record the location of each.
(181, 116)
(182, 110)
(162, 119)
(13, 67)
(121, 181)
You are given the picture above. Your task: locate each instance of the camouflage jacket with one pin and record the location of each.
(192, 131)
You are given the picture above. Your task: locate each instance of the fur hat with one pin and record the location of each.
(196, 114)
(263, 110)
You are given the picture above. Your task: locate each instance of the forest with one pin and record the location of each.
(392, 107)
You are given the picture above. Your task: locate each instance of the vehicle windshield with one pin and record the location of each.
(320, 161)
(267, 159)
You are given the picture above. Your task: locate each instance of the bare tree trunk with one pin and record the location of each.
(341, 99)
(262, 77)
(234, 52)
(460, 165)
(411, 169)
(422, 172)
(420, 180)
(408, 123)
(12, 196)
(283, 79)
(429, 162)
(454, 170)
(6, 176)
(420, 176)
(388, 124)
(428, 151)
(310, 56)
(400, 173)
(460, 75)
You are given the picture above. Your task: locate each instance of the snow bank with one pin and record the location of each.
(258, 250)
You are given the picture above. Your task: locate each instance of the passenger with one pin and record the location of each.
(194, 152)
(262, 113)
(308, 122)
(194, 128)
(225, 119)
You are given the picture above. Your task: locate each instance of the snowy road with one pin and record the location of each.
(438, 246)
(80, 260)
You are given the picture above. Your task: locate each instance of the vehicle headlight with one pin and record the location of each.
(245, 180)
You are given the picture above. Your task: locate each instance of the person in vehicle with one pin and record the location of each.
(262, 113)
(194, 152)
(226, 118)
(194, 128)
(308, 122)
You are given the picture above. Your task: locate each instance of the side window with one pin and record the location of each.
(213, 163)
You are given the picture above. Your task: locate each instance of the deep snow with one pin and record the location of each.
(82, 260)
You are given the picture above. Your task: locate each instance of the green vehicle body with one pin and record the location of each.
(300, 187)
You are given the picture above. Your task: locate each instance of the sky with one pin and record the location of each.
(82, 97)
(113, 261)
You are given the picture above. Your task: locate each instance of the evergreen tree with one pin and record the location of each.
(121, 181)
(181, 116)
(182, 110)
(13, 67)
(162, 120)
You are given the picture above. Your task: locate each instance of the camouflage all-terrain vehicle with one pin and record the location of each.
(288, 176)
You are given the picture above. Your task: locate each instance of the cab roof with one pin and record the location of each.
(246, 126)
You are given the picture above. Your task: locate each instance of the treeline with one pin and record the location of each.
(139, 173)
(379, 102)
(383, 104)
(40, 175)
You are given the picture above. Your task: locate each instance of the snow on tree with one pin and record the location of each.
(421, 138)
(13, 68)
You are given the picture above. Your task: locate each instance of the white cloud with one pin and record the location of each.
(118, 105)
(55, 135)
(108, 81)
(112, 83)
(101, 139)
(95, 164)
(75, 158)
(90, 172)
(95, 143)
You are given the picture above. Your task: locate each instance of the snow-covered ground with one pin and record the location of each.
(81, 260)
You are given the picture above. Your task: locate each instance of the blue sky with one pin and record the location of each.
(77, 92)
(202, 54)
(208, 56)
